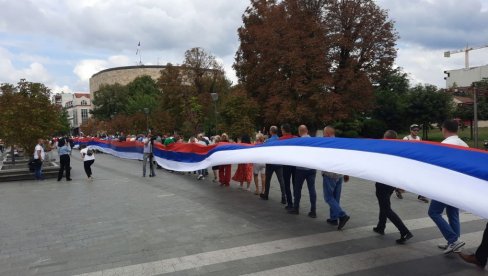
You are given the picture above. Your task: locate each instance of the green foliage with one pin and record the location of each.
(27, 114)
(373, 128)
(64, 125)
(426, 105)
(238, 113)
(110, 100)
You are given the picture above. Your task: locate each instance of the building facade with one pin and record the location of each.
(123, 75)
(465, 77)
(78, 106)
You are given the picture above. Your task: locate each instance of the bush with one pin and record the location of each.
(350, 134)
(373, 128)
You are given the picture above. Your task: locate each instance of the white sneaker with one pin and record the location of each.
(200, 177)
(454, 247)
(442, 246)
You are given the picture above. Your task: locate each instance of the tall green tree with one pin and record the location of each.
(390, 104)
(238, 113)
(425, 105)
(27, 114)
(110, 100)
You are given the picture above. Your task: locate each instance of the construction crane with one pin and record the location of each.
(466, 53)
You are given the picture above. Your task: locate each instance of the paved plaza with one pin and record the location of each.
(123, 224)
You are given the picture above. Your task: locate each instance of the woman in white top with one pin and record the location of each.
(88, 160)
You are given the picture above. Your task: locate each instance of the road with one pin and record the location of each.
(124, 224)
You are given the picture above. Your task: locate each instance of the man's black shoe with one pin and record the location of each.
(263, 197)
(288, 207)
(283, 200)
(332, 221)
(404, 238)
(69, 179)
(377, 230)
(293, 211)
(342, 221)
(312, 214)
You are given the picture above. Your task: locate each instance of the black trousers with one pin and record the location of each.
(64, 165)
(289, 179)
(87, 165)
(482, 251)
(383, 193)
(270, 169)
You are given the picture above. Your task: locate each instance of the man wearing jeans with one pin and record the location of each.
(302, 174)
(332, 183)
(452, 230)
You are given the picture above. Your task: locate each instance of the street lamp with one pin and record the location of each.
(215, 97)
(146, 111)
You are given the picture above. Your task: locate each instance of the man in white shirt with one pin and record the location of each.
(39, 157)
(452, 230)
(414, 135)
(147, 155)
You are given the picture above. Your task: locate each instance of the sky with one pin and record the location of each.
(62, 43)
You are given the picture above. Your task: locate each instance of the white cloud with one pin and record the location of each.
(35, 71)
(87, 67)
(58, 89)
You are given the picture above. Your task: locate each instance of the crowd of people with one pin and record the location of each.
(292, 178)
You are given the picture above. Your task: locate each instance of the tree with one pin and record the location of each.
(282, 61)
(186, 91)
(238, 113)
(313, 61)
(143, 92)
(110, 100)
(27, 114)
(426, 105)
(390, 103)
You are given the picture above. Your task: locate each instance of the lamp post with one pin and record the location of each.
(146, 111)
(215, 97)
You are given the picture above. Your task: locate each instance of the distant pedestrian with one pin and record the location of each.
(303, 174)
(215, 169)
(413, 136)
(383, 194)
(259, 169)
(452, 230)
(273, 168)
(64, 152)
(225, 170)
(88, 160)
(332, 184)
(148, 156)
(288, 171)
(39, 157)
(244, 171)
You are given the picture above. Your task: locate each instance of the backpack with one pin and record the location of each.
(89, 152)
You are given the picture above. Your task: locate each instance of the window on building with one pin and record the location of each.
(84, 115)
(75, 118)
(83, 102)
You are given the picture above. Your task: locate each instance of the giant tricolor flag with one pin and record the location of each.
(450, 174)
